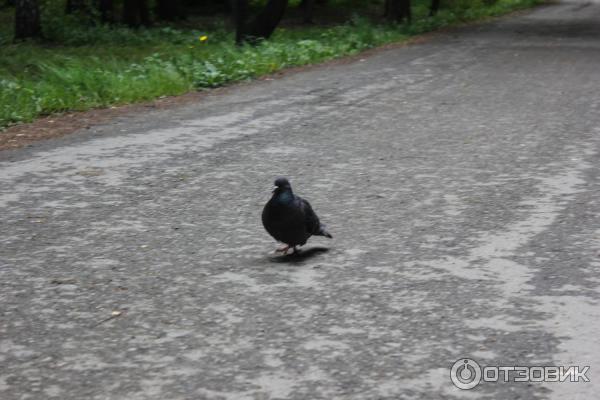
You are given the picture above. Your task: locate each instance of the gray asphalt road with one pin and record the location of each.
(459, 178)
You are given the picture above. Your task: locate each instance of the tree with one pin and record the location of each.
(262, 25)
(27, 19)
(136, 13)
(308, 9)
(435, 6)
(77, 6)
(398, 10)
(84, 10)
(169, 10)
(106, 10)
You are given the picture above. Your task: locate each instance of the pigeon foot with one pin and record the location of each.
(283, 250)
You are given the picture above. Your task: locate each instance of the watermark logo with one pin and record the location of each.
(466, 373)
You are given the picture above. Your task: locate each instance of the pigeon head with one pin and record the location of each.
(282, 184)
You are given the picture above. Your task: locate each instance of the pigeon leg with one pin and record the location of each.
(283, 250)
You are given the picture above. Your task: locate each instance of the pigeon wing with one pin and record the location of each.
(311, 221)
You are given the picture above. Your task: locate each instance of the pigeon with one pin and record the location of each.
(290, 219)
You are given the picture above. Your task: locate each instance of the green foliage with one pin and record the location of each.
(99, 66)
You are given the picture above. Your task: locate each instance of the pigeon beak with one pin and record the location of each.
(275, 188)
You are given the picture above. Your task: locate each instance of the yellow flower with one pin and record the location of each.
(203, 38)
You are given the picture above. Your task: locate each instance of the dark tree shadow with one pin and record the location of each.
(299, 256)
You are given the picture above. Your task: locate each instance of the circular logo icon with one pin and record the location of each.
(465, 374)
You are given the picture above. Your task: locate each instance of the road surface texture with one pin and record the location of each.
(459, 178)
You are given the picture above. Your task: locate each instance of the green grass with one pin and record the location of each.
(101, 66)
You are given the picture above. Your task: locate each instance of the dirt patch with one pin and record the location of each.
(58, 125)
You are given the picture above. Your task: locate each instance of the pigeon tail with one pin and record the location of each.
(323, 232)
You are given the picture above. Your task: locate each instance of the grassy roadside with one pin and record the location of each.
(101, 67)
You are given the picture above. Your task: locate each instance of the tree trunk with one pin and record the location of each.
(27, 19)
(136, 13)
(435, 6)
(308, 10)
(168, 10)
(76, 6)
(262, 25)
(240, 14)
(144, 12)
(130, 13)
(398, 10)
(106, 10)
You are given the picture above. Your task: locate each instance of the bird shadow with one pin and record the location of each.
(299, 255)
